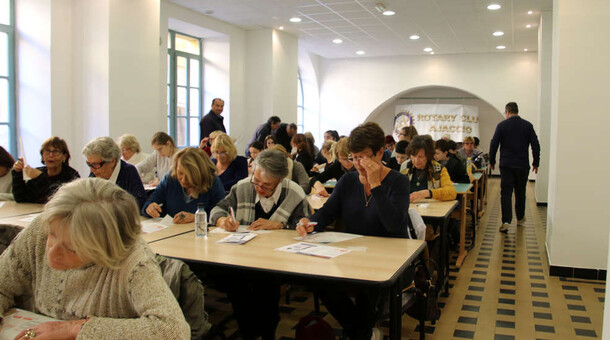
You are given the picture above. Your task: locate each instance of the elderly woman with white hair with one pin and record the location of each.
(83, 262)
(131, 153)
(267, 200)
(104, 160)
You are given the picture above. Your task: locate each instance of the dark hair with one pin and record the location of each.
(268, 138)
(301, 143)
(161, 138)
(334, 134)
(6, 160)
(215, 99)
(422, 142)
(476, 141)
(401, 146)
(512, 108)
(292, 126)
(367, 135)
(57, 143)
(274, 120)
(442, 145)
(389, 139)
(258, 145)
(451, 144)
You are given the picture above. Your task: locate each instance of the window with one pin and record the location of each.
(7, 76)
(183, 88)
(300, 105)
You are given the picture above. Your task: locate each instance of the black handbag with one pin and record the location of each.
(425, 293)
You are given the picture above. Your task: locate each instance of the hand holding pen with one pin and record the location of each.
(154, 209)
(230, 224)
(305, 226)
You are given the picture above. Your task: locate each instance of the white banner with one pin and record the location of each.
(439, 120)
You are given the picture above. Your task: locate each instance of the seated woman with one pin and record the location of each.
(103, 158)
(190, 181)
(267, 200)
(296, 171)
(45, 180)
(161, 159)
(325, 157)
(373, 201)
(131, 153)
(335, 170)
(206, 143)
(84, 263)
(428, 178)
(6, 178)
(231, 167)
(301, 151)
(254, 149)
(270, 141)
(454, 167)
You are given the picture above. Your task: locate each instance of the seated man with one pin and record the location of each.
(456, 169)
(267, 200)
(372, 201)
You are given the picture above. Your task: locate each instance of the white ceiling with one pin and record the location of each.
(447, 26)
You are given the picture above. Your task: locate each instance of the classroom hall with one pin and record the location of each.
(83, 69)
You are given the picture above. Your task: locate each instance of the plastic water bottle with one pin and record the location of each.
(201, 222)
(469, 168)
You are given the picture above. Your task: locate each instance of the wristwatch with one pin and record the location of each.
(285, 225)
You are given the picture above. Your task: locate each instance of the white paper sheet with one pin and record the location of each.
(156, 224)
(237, 238)
(2, 204)
(312, 249)
(241, 229)
(327, 237)
(21, 319)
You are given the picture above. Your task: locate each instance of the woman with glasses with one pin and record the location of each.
(190, 181)
(160, 159)
(296, 171)
(231, 167)
(104, 161)
(336, 169)
(372, 201)
(44, 180)
(267, 200)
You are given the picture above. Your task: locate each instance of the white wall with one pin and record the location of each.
(351, 89)
(285, 68)
(545, 50)
(309, 66)
(489, 117)
(578, 214)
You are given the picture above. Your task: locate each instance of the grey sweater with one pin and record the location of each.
(132, 302)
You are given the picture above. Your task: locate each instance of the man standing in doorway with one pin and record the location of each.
(514, 136)
(212, 121)
(284, 134)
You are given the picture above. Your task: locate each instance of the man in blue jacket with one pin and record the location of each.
(514, 136)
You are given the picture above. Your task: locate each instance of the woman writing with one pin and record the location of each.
(160, 159)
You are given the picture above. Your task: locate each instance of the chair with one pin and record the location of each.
(7, 233)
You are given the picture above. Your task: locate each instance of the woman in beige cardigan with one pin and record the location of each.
(83, 262)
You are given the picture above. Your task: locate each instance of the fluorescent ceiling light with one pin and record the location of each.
(414, 37)
(295, 19)
(428, 49)
(494, 7)
(431, 52)
(360, 52)
(525, 50)
(498, 33)
(529, 12)
(337, 41)
(528, 26)
(501, 47)
(388, 13)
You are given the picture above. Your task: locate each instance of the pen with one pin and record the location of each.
(160, 205)
(232, 213)
(308, 224)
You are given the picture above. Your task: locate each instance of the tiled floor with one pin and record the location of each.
(502, 291)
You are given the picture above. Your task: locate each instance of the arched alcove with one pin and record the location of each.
(489, 116)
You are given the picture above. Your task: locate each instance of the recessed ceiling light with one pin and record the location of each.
(494, 7)
(388, 12)
(414, 37)
(337, 41)
(528, 26)
(529, 12)
(501, 47)
(281, 27)
(498, 33)
(295, 19)
(428, 49)
(360, 52)
(525, 50)
(431, 52)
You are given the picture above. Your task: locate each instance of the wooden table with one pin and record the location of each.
(10, 209)
(477, 182)
(175, 229)
(22, 221)
(482, 189)
(330, 184)
(463, 190)
(380, 266)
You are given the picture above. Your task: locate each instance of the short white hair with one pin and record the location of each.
(102, 219)
(104, 147)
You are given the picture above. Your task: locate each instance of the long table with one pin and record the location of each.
(463, 190)
(11, 209)
(380, 266)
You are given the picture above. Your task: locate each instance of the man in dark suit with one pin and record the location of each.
(212, 121)
(284, 134)
(264, 130)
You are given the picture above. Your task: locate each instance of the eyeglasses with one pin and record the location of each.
(357, 158)
(54, 152)
(222, 153)
(261, 186)
(96, 165)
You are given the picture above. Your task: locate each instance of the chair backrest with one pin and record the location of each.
(417, 227)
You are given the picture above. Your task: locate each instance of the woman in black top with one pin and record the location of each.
(44, 180)
(335, 170)
(303, 152)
